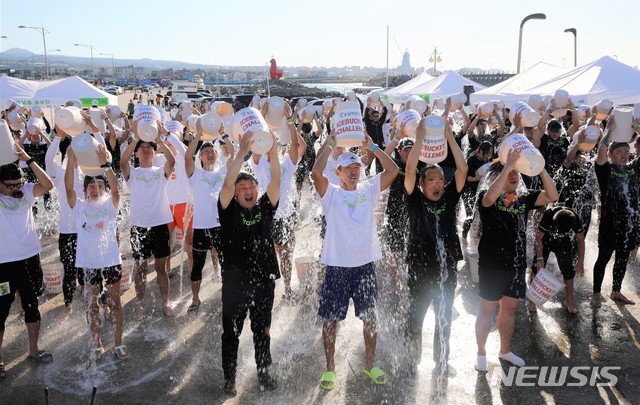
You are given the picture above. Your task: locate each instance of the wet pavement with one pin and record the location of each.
(178, 360)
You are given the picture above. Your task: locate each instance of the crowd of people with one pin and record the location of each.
(244, 208)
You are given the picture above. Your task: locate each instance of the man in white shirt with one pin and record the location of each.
(20, 269)
(351, 246)
(149, 215)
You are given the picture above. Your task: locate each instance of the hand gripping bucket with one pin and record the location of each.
(530, 162)
(528, 116)
(623, 131)
(410, 119)
(544, 287)
(250, 119)
(85, 148)
(52, 275)
(70, 120)
(434, 147)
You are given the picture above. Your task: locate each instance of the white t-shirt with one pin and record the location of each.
(67, 222)
(178, 187)
(97, 243)
(352, 238)
(19, 237)
(288, 192)
(67, 215)
(330, 171)
(205, 187)
(149, 203)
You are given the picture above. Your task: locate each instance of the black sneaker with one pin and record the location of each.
(267, 382)
(230, 388)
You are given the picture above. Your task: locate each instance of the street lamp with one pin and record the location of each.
(91, 47)
(113, 67)
(44, 44)
(435, 58)
(575, 45)
(48, 65)
(538, 16)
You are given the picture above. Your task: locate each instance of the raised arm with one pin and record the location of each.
(458, 156)
(571, 154)
(412, 159)
(69, 176)
(320, 181)
(228, 187)
(49, 157)
(603, 147)
(125, 159)
(44, 183)
(111, 177)
(273, 189)
(389, 168)
(189, 163)
(498, 184)
(170, 160)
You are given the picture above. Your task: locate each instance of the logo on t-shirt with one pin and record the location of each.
(213, 183)
(251, 222)
(154, 176)
(352, 204)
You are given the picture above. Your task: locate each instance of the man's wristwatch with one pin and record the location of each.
(106, 165)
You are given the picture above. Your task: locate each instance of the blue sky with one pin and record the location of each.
(478, 33)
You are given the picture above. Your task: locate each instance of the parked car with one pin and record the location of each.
(241, 101)
(294, 100)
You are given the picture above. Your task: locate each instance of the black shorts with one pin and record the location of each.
(25, 277)
(110, 275)
(494, 284)
(566, 255)
(146, 242)
(282, 230)
(207, 239)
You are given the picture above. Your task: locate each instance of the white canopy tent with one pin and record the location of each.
(448, 83)
(515, 89)
(53, 93)
(400, 93)
(590, 83)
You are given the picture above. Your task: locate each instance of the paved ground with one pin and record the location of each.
(178, 360)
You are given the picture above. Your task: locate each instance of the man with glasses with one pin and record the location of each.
(20, 254)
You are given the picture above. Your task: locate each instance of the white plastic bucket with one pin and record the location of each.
(275, 112)
(485, 109)
(351, 96)
(417, 103)
(561, 98)
(222, 108)
(7, 145)
(74, 103)
(544, 287)
(529, 117)
(411, 120)
(530, 163)
(96, 116)
(147, 130)
(175, 127)
(592, 133)
(482, 170)
(250, 119)
(113, 112)
(534, 101)
(622, 131)
(127, 275)
(52, 275)
(305, 267)
(70, 120)
(192, 121)
(603, 108)
(473, 266)
(636, 111)
(283, 132)
(13, 120)
(36, 112)
(255, 102)
(457, 101)
(35, 126)
(434, 147)
(307, 114)
(85, 148)
(211, 123)
(347, 125)
(584, 112)
(438, 103)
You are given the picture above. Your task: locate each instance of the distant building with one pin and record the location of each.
(405, 67)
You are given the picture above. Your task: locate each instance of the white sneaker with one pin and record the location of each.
(481, 364)
(512, 358)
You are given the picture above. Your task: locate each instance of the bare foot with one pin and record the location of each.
(617, 296)
(138, 312)
(68, 311)
(168, 311)
(570, 308)
(596, 300)
(531, 306)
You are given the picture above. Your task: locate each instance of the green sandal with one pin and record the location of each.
(377, 376)
(328, 380)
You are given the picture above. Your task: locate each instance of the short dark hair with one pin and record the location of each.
(10, 171)
(140, 142)
(564, 220)
(485, 146)
(554, 125)
(245, 176)
(306, 127)
(425, 169)
(496, 167)
(615, 145)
